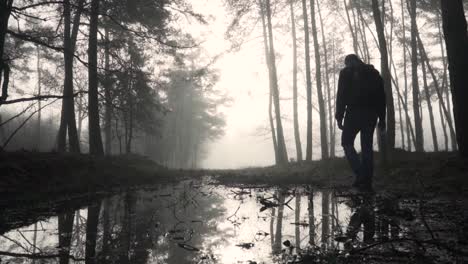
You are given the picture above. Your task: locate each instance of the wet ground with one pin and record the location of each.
(199, 222)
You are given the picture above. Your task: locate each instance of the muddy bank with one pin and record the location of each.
(32, 174)
(29, 175)
(406, 173)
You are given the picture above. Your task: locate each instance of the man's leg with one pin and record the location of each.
(350, 131)
(367, 140)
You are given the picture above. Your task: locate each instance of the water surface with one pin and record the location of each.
(197, 222)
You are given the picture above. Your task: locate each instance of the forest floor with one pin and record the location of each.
(29, 175)
(406, 174)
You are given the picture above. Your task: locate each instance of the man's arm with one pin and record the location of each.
(340, 97)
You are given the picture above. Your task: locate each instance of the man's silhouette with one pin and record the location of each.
(360, 101)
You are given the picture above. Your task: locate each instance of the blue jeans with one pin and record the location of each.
(360, 120)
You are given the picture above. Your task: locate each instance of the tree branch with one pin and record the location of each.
(42, 43)
(5, 144)
(40, 97)
(36, 256)
(14, 8)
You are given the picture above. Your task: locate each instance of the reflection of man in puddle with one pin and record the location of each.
(360, 102)
(378, 216)
(363, 215)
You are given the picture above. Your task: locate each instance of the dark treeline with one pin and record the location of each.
(410, 41)
(129, 78)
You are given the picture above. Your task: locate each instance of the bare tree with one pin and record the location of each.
(327, 83)
(94, 129)
(456, 40)
(270, 83)
(414, 73)
(297, 137)
(318, 79)
(386, 75)
(308, 82)
(429, 107)
(68, 120)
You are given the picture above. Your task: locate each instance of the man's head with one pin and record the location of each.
(353, 60)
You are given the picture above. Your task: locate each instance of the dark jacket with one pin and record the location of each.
(360, 86)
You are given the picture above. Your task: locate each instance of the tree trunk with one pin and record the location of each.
(414, 72)
(318, 78)
(405, 75)
(107, 94)
(80, 116)
(445, 84)
(283, 156)
(297, 219)
(297, 137)
(279, 224)
(425, 59)
(94, 129)
(400, 110)
(405, 107)
(62, 133)
(362, 30)
(333, 123)
(129, 139)
(91, 231)
(5, 11)
(308, 82)
(311, 219)
(444, 129)
(39, 103)
(357, 31)
(456, 40)
(351, 30)
(429, 106)
(270, 92)
(327, 82)
(106, 231)
(272, 229)
(386, 75)
(65, 229)
(325, 219)
(68, 120)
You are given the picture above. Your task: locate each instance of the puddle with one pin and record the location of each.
(191, 222)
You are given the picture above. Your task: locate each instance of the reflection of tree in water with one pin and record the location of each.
(297, 215)
(279, 223)
(178, 224)
(65, 227)
(325, 219)
(169, 226)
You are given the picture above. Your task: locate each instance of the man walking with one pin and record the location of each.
(360, 102)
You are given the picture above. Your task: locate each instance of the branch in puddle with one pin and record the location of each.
(37, 256)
